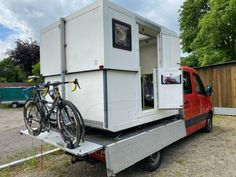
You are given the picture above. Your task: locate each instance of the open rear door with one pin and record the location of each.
(170, 88)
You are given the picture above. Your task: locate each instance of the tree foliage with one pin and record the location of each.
(190, 60)
(36, 69)
(25, 54)
(10, 72)
(208, 30)
(190, 14)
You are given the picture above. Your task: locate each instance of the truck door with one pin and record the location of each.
(201, 94)
(191, 101)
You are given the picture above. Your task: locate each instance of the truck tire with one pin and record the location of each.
(209, 123)
(14, 105)
(152, 162)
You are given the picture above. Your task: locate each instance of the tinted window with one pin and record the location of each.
(187, 83)
(199, 85)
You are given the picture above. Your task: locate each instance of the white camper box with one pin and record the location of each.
(125, 65)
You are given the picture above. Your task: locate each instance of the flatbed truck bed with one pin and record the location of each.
(122, 149)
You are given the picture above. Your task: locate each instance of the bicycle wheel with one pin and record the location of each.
(32, 118)
(69, 124)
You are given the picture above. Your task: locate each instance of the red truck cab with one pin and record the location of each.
(198, 109)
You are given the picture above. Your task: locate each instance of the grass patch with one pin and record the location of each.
(180, 161)
(4, 106)
(34, 164)
(5, 173)
(8, 106)
(24, 154)
(178, 173)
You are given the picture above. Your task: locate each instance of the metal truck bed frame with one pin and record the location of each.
(125, 148)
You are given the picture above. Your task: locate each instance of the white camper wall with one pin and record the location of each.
(84, 38)
(118, 58)
(122, 98)
(50, 51)
(89, 99)
(170, 51)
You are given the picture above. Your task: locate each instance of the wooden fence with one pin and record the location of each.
(222, 78)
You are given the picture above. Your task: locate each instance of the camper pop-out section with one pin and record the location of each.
(127, 66)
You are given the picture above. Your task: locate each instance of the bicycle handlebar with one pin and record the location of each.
(57, 83)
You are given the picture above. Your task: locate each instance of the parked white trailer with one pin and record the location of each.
(129, 73)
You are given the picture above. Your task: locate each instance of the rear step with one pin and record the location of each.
(54, 138)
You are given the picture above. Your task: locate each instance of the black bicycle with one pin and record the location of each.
(41, 115)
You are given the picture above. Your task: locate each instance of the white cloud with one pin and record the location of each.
(164, 12)
(27, 17)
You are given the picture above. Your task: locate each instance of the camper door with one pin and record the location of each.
(169, 74)
(170, 88)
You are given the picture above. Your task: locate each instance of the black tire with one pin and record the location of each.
(14, 105)
(69, 124)
(152, 162)
(32, 118)
(82, 126)
(209, 124)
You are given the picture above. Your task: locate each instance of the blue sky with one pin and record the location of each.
(5, 32)
(24, 19)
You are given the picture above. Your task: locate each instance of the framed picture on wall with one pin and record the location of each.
(121, 33)
(170, 79)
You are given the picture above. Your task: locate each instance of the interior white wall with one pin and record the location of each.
(148, 56)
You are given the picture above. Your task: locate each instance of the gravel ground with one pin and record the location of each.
(12, 143)
(199, 155)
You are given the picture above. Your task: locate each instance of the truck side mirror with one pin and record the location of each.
(209, 90)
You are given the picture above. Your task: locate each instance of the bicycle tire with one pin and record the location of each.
(28, 117)
(82, 125)
(69, 125)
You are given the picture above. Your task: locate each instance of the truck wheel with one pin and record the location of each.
(208, 127)
(14, 105)
(152, 162)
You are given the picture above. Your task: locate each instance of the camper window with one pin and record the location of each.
(121, 33)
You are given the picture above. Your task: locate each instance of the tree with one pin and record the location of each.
(216, 39)
(190, 60)
(190, 14)
(25, 54)
(208, 30)
(10, 72)
(36, 69)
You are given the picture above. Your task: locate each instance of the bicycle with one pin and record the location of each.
(40, 115)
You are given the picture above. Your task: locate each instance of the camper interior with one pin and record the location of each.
(148, 62)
